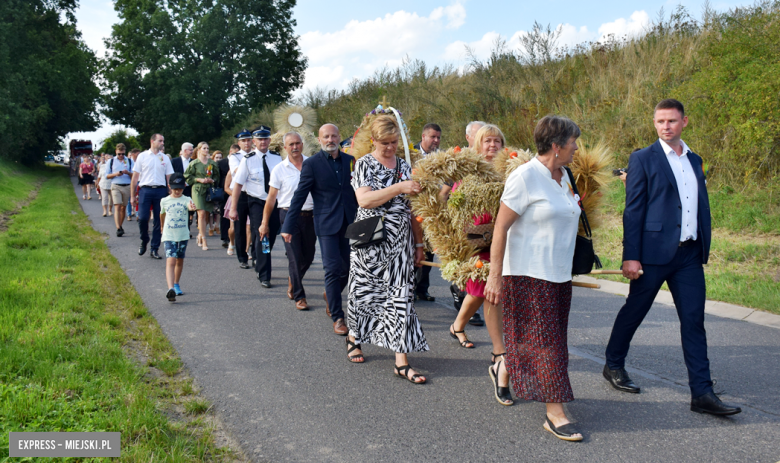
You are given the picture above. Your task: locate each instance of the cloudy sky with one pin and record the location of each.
(346, 39)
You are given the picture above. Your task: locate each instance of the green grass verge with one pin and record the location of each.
(744, 266)
(78, 349)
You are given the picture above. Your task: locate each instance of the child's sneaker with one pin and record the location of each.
(178, 290)
(171, 295)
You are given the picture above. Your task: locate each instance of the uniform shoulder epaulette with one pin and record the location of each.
(249, 154)
(273, 152)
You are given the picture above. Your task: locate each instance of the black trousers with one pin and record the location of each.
(300, 251)
(423, 276)
(262, 261)
(239, 228)
(224, 223)
(685, 277)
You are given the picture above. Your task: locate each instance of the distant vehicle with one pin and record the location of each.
(62, 157)
(48, 157)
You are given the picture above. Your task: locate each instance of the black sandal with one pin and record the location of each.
(405, 375)
(503, 394)
(465, 343)
(565, 432)
(350, 347)
(495, 356)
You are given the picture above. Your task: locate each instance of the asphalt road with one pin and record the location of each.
(280, 380)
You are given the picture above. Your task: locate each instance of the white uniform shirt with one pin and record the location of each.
(152, 168)
(285, 178)
(540, 243)
(250, 173)
(234, 160)
(687, 188)
(185, 162)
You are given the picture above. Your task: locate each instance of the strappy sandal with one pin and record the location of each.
(465, 343)
(405, 375)
(502, 393)
(496, 356)
(565, 432)
(350, 347)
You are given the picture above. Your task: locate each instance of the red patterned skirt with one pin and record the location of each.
(536, 319)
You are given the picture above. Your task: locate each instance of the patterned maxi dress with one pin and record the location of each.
(381, 277)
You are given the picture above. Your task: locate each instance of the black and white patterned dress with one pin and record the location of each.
(381, 277)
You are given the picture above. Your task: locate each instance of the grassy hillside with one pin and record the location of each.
(725, 68)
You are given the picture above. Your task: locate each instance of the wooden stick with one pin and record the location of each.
(430, 264)
(610, 272)
(585, 285)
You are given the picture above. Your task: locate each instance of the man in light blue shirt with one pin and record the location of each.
(119, 170)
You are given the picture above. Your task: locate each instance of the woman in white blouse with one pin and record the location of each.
(530, 271)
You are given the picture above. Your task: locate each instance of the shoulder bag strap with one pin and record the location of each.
(583, 216)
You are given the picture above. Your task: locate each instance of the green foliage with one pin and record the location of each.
(190, 69)
(734, 91)
(723, 68)
(119, 136)
(46, 86)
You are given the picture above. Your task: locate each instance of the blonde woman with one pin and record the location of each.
(216, 215)
(381, 276)
(202, 173)
(488, 141)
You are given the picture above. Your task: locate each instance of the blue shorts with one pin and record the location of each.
(175, 249)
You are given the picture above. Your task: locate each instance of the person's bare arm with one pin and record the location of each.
(417, 232)
(368, 199)
(494, 286)
(133, 184)
(269, 207)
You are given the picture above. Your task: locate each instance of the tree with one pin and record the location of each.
(46, 86)
(119, 136)
(190, 68)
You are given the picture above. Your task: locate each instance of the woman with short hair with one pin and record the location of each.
(530, 271)
(381, 276)
(202, 173)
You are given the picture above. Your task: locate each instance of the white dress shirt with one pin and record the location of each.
(540, 243)
(234, 160)
(152, 168)
(185, 162)
(285, 178)
(250, 173)
(687, 188)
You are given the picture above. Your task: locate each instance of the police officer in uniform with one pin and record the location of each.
(240, 206)
(253, 177)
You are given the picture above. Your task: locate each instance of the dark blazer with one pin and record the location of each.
(178, 166)
(224, 168)
(653, 214)
(332, 202)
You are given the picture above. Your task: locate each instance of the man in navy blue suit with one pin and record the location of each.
(326, 175)
(666, 235)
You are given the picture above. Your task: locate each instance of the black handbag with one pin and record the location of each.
(214, 194)
(584, 256)
(370, 231)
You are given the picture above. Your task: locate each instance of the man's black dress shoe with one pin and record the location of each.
(619, 380)
(476, 320)
(425, 297)
(244, 265)
(225, 244)
(154, 254)
(142, 249)
(710, 403)
(265, 283)
(119, 232)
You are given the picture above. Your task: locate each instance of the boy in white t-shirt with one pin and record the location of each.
(174, 209)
